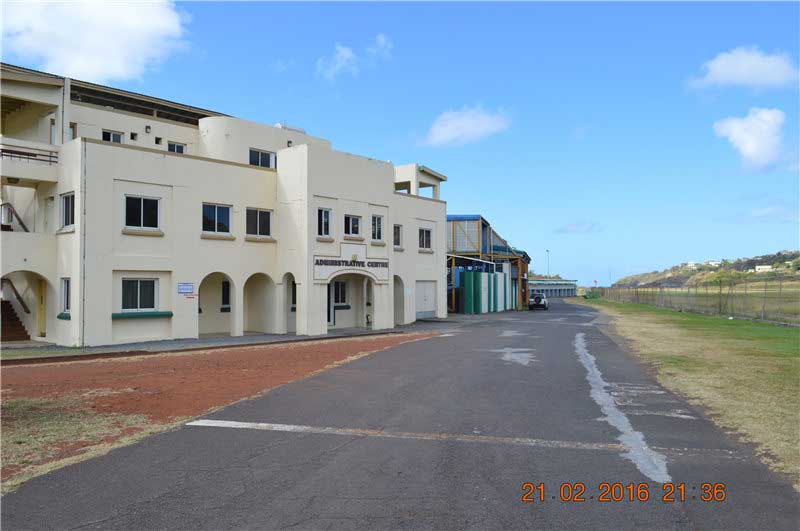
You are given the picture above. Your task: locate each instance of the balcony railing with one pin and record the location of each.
(26, 151)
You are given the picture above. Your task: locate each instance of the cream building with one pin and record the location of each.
(129, 218)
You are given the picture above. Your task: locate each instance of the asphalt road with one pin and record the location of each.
(438, 434)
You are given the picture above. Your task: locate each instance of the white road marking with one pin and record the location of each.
(523, 356)
(486, 439)
(511, 333)
(649, 462)
(673, 414)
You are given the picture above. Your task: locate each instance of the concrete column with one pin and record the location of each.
(237, 309)
(382, 306)
(279, 307)
(312, 315)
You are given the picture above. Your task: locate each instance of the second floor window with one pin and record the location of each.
(68, 210)
(141, 212)
(398, 236)
(216, 218)
(377, 228)
(323, 222)
(112, 136)
(258, 222)
(175, 147)
(424, 238)
(265, 159)
(352, 225)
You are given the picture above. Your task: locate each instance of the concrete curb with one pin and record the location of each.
(133, 353)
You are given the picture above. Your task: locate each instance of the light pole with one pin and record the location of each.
(548, 262)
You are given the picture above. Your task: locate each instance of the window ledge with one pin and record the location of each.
(216, 236)
(325, 239)
(259, 239)
(426, 251)
(66, 230)
(399, 249)
(140, 315)
(132, 231)
(64, 316)
(353, 238)
(378, 243)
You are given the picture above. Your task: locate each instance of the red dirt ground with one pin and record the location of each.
(171, 386)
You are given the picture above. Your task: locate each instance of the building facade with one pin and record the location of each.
(553, 288)
(128, 218)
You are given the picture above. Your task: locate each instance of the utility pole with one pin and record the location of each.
(548, 262)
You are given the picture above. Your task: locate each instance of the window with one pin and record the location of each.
(216, 218)
(377, 228)
(175, 147)
(73, 131)
(65, 295)
(323, 222)
(258, 222)
(294, 293)
(424, 238)
(138, 294)
(265, 159)
(398, 235)
(158, 140)
(112, 136)
(352, 225)
(339, 292)
(226, 297)
(68, 209)
(141, 212)
(134, 136)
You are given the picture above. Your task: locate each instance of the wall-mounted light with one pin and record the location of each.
(288, 143)
(147, 129)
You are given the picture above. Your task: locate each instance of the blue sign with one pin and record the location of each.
(186, 287)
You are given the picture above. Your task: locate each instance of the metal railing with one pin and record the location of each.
(16, 294)
(35, 152)
(9, 213)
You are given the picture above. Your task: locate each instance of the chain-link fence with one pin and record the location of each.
(776, 300)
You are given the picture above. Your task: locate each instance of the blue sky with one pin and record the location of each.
(592, 130)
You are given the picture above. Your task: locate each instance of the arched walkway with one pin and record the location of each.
(259, 294)
(215, 305)
(350, 301)
(399, 301)
(30, 305)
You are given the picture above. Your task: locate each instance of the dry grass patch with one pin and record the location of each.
(747, 374)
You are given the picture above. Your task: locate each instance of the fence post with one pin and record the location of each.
(719, 299)
(764, 301)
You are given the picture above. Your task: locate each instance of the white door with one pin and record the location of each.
(426, 299)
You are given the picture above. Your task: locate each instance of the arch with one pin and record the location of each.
(350, 300)
(259, 294)
(399, 300)
(33, 299)
(290, 296)
(215, 306)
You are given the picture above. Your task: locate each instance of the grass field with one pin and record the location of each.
(746, 373)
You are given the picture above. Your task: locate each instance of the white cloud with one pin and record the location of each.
(344, 59)
(90, 40)
(748, 67)
(757, 136)
(579, 227)
(470, 124)
(382, 47)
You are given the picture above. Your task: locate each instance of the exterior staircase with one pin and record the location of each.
(11, 328)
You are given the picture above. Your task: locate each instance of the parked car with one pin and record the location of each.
(538, 300)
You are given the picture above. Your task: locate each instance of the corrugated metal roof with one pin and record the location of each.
(463, 217)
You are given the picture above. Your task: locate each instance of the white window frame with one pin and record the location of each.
(112, 133)
(349, 226)
(379, 226)
(271, 156)
(423, 230)
(170, 143)
(230, 218)
(66, 294)
(326, 223)
(397, 244)
(141, 212)
(339, 288)
(139, 295)
(258, 225)
(64, 224)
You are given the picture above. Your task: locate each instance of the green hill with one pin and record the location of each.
(784, 263)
